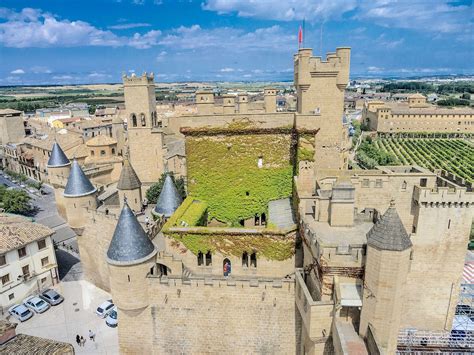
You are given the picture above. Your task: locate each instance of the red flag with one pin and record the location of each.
(300, 36)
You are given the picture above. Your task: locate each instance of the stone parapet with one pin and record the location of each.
(443, 195)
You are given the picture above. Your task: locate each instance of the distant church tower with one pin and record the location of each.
(145, 139)
(387, 266)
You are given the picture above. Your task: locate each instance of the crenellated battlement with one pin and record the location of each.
(138, 80)
(443, 196)
(95, 214)
(287, 283)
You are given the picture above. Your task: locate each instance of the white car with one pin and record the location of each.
(104, 309)
(36, 304)
(112, 320)
(20, 312)
(52, 297)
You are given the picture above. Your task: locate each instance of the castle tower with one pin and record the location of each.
(169, 199)
(119, 134)
(243, 101)
(205, 102)
(386, 270)
(145, 139)
(269, 96)
(79, 194)
(58, 167)
(229, 104)
(320, 88)
(342, 204)
(130, 257)
(129, 187)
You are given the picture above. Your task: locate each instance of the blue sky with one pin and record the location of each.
(95, 41)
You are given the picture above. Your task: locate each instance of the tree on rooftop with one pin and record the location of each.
(154, 191)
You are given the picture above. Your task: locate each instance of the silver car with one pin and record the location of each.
(104, 309)
(36, 304)
(20, 312)
(112, 318)
(52, 297)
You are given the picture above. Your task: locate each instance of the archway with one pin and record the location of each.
(226, 267)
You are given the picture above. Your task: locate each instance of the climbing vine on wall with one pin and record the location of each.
(223, 171)
(271, 247)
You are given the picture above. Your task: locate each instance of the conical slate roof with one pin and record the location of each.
(77, 183)
(169, 199)
(389, 233)
(57, 158)
(129, 244)
(128, 177)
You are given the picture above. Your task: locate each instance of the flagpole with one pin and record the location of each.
(304, 33)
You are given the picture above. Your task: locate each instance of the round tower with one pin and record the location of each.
(129, 187)
(130, 257)
(386, 270)
(169, 199)
(79, 194)
(58, 167)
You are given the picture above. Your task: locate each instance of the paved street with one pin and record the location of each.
(75, 316)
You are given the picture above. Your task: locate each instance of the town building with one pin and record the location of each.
(27, 259)
(416, 115)
(278, 247)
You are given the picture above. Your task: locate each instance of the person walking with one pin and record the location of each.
(91, 335)
(83, 341)
(78, 340)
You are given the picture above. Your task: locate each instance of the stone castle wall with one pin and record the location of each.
(199, 316)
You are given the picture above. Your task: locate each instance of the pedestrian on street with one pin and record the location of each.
(78, 340)
(91, 335)
(83, 341)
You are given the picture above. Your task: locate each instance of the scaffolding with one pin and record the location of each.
(459, 340)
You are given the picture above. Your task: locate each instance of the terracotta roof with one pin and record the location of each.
(17, 231)
(417, 96)
(100, 140)
(9, 111)
(22, 344)
(66, 141)
(389, 233)
(92, 123)
(128, 177)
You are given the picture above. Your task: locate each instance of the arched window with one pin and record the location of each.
(208, 258)
(245, 259)
(226, 267)
(257, 219)
(134, 120)
(200, 258)
(263, 219)
(142, 119)
(253, 259)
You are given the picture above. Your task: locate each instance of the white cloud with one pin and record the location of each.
(40, 70)
(282, 10)
(444, 16)
(161, 56)
(35, 28)
(96, 75)
(227, 70)
(17, 72)
(126, 26)
(383, 42)
(63, 77)
(272, 38)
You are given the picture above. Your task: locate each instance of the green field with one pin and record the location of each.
(453, 155)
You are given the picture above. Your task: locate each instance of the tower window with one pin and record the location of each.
(142, 119)
(200, 258)
(208, 258)
(245, 259)
(253, 259)
(134, 120)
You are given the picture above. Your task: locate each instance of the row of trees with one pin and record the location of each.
(369, 156)
(414, 86)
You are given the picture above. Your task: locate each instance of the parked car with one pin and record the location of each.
(20, 312)
(104, 309)
(36, 304)
(52, 297)
(111, 319)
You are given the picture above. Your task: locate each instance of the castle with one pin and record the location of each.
(278, 247)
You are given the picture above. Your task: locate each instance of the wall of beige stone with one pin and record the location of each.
(439, 250)
(218, 317)
(384, 294)
(134, 198)
(12, 129)
(76, 213)
(265, 267)
(93, 245)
